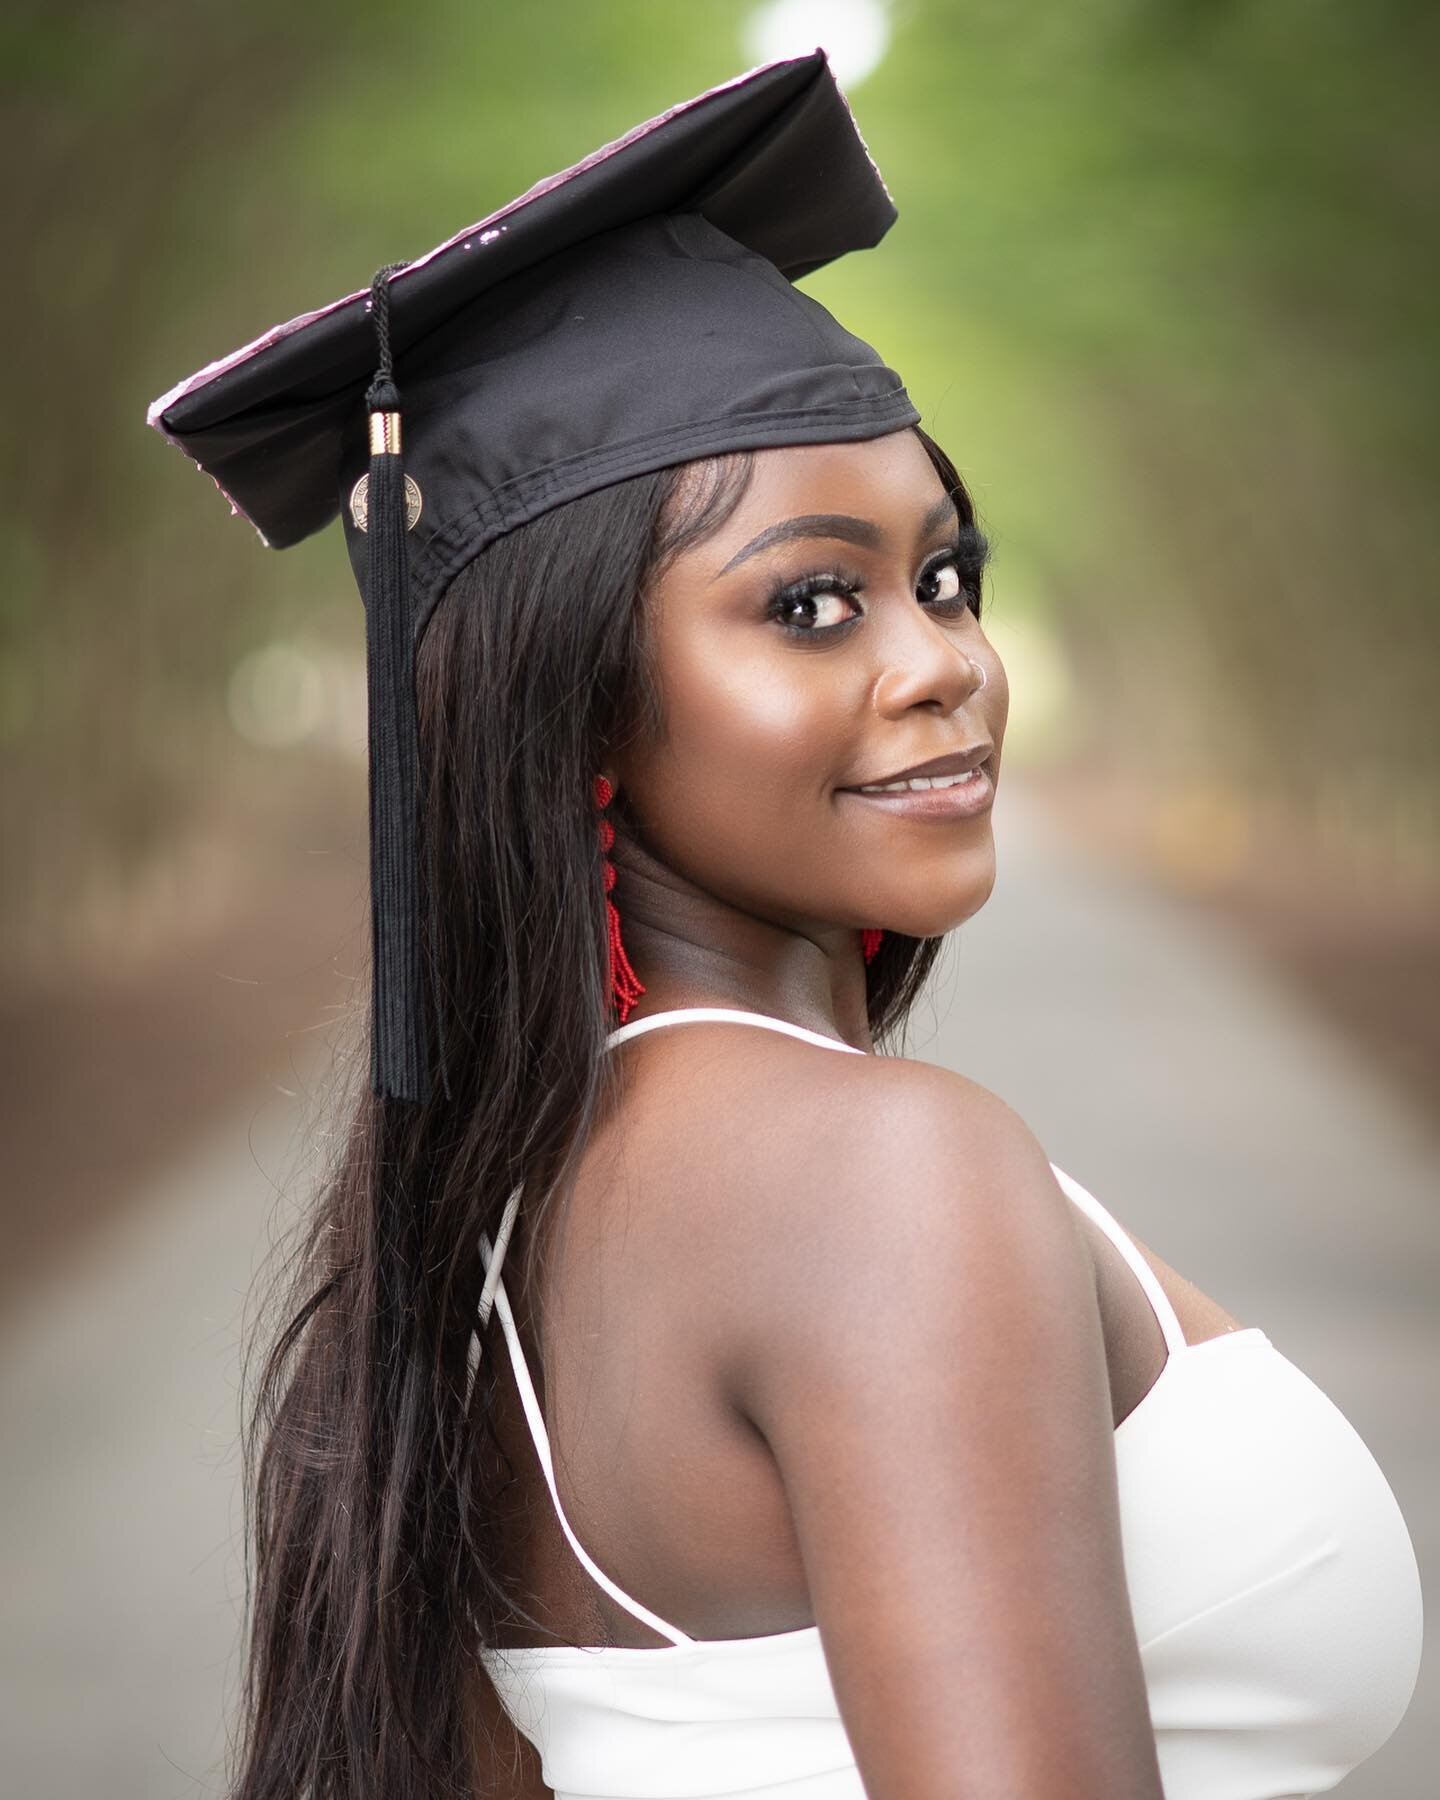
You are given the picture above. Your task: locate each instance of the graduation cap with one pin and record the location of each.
(631, 313)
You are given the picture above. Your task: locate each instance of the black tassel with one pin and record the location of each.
(398, 1061)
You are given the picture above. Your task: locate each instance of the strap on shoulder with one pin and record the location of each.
(682, 1015)
(1159, 1300)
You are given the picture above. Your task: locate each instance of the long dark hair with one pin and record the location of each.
(370, 1518)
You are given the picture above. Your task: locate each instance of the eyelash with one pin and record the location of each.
(967, 559)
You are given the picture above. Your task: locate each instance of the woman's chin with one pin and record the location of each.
(936, 921)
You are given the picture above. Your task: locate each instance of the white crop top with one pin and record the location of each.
(1274, 1588)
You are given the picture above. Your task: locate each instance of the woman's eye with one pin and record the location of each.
(815, 612)
(815, 607)
(942, 585)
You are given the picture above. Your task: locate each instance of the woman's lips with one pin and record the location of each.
(961, 800)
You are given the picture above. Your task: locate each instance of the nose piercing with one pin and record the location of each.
(981, 667)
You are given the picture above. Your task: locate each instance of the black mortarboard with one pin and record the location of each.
(634, 312)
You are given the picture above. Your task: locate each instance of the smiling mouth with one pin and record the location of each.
(932, 796)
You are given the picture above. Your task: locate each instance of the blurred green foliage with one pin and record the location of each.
(1161, 283)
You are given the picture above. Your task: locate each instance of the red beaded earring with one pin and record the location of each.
(625, 986)
(870, 941)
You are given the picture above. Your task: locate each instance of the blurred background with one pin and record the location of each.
(1163, 285)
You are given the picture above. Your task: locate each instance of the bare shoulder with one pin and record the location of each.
(901, 1180)
(918, 1342)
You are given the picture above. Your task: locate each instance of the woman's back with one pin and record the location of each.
(631, 1378)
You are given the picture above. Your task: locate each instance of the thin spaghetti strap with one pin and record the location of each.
(492, 1257)
(541, 1439)
(1160, 1302)
(680, 1015)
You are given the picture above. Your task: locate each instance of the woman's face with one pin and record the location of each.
(821, 639)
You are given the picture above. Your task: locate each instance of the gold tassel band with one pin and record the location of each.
(384, 434)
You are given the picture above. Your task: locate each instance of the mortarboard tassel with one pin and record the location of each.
(398, 1062)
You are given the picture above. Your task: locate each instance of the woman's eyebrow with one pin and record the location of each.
(844, 526)
(809, 525)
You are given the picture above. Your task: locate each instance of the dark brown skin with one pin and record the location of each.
(827, 1343)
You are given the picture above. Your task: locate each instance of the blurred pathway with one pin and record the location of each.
(121, 1560)
(1153, 1056)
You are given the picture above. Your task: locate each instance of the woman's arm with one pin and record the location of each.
(926, 1362)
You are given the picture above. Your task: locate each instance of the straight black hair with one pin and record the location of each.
(369, 1457)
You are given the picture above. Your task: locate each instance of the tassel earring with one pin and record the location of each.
(625, 986)
(870, 941)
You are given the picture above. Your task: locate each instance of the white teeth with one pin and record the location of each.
(918, 782)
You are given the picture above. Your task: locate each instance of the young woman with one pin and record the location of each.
(820, 1437)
